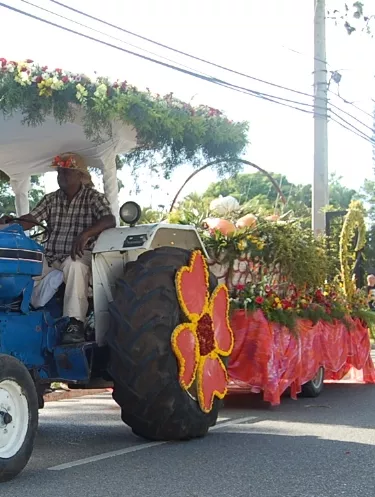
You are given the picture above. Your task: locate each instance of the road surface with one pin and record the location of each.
(307, 448)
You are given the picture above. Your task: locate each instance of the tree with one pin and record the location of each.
(367, 195)
(354, 16)
(151, 216)
(7, 200)
(256, 193)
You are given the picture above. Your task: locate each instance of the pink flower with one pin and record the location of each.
(259, 300)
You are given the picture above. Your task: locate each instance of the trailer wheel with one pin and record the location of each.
(314, 387)
(143, 366)
(18, 417)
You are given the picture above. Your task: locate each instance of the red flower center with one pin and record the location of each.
(205, 332)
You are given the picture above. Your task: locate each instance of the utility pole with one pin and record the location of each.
(320, 182)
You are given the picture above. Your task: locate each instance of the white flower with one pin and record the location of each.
(10, 68)
(23, 78)
(224, 206)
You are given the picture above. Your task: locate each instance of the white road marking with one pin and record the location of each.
(106, 455)
(136, 448)
(234, 421)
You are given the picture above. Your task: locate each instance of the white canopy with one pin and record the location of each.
(27, 150)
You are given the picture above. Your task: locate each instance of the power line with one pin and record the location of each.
(351, 103)
(209, 79)
(180, 51)
(106, 34)
(216, 65)
(364, 137)
(351, 125)
(305, 55)
(206, 78)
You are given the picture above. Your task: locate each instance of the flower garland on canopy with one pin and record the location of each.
(355, 219)
(175, 130)
(206, 335)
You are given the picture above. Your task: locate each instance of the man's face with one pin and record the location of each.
(68, 179)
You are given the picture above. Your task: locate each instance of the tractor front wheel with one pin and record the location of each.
(18, 417)
(144, 368)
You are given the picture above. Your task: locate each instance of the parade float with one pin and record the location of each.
(295, 321)
(287, 323)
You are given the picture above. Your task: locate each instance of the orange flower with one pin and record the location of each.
(199, 343)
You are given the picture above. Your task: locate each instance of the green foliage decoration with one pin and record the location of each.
(176, 131)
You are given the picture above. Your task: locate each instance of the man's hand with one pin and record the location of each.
(27, 221)
(6, 219)
(79, 245)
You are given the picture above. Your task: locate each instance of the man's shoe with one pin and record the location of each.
(74, 333)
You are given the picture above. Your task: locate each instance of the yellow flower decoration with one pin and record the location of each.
(81, 92)
(101, 92)
(355, 219)
(242, 245)
(45, 87)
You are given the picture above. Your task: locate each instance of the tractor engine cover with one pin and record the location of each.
(21, 258)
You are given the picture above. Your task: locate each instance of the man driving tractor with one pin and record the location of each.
(75, 214)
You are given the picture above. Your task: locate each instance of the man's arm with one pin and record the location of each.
(105, 223)
(106, 220)
(79, 244)
(39, 214)
(28, 221)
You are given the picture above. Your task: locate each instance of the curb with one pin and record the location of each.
(73, 394)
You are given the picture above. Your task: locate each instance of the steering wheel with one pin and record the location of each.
(43, 234)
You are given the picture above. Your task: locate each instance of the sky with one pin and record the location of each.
(271, 40)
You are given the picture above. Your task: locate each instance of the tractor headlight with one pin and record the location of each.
(130, 213)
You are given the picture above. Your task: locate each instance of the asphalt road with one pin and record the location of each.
(307, 448)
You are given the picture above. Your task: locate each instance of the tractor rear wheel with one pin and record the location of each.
(143, 366)
(18, 417)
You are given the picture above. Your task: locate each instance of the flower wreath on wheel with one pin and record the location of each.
(206, 335)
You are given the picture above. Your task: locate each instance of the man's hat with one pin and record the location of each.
(70, 160)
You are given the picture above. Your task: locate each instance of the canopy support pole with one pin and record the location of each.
(21, 188)
(111, 186)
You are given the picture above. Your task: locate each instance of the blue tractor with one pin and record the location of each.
(133, 311)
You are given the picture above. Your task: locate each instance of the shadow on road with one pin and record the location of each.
(344, 404)
(222, 464)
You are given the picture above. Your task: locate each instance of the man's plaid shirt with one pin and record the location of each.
(66, 221)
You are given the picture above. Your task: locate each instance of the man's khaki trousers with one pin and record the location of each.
(76, 278)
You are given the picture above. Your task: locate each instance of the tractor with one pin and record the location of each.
(128, 348)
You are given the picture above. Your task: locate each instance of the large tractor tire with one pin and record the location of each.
(18, 417)
(142, 363)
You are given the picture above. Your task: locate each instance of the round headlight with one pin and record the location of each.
(130, 213)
